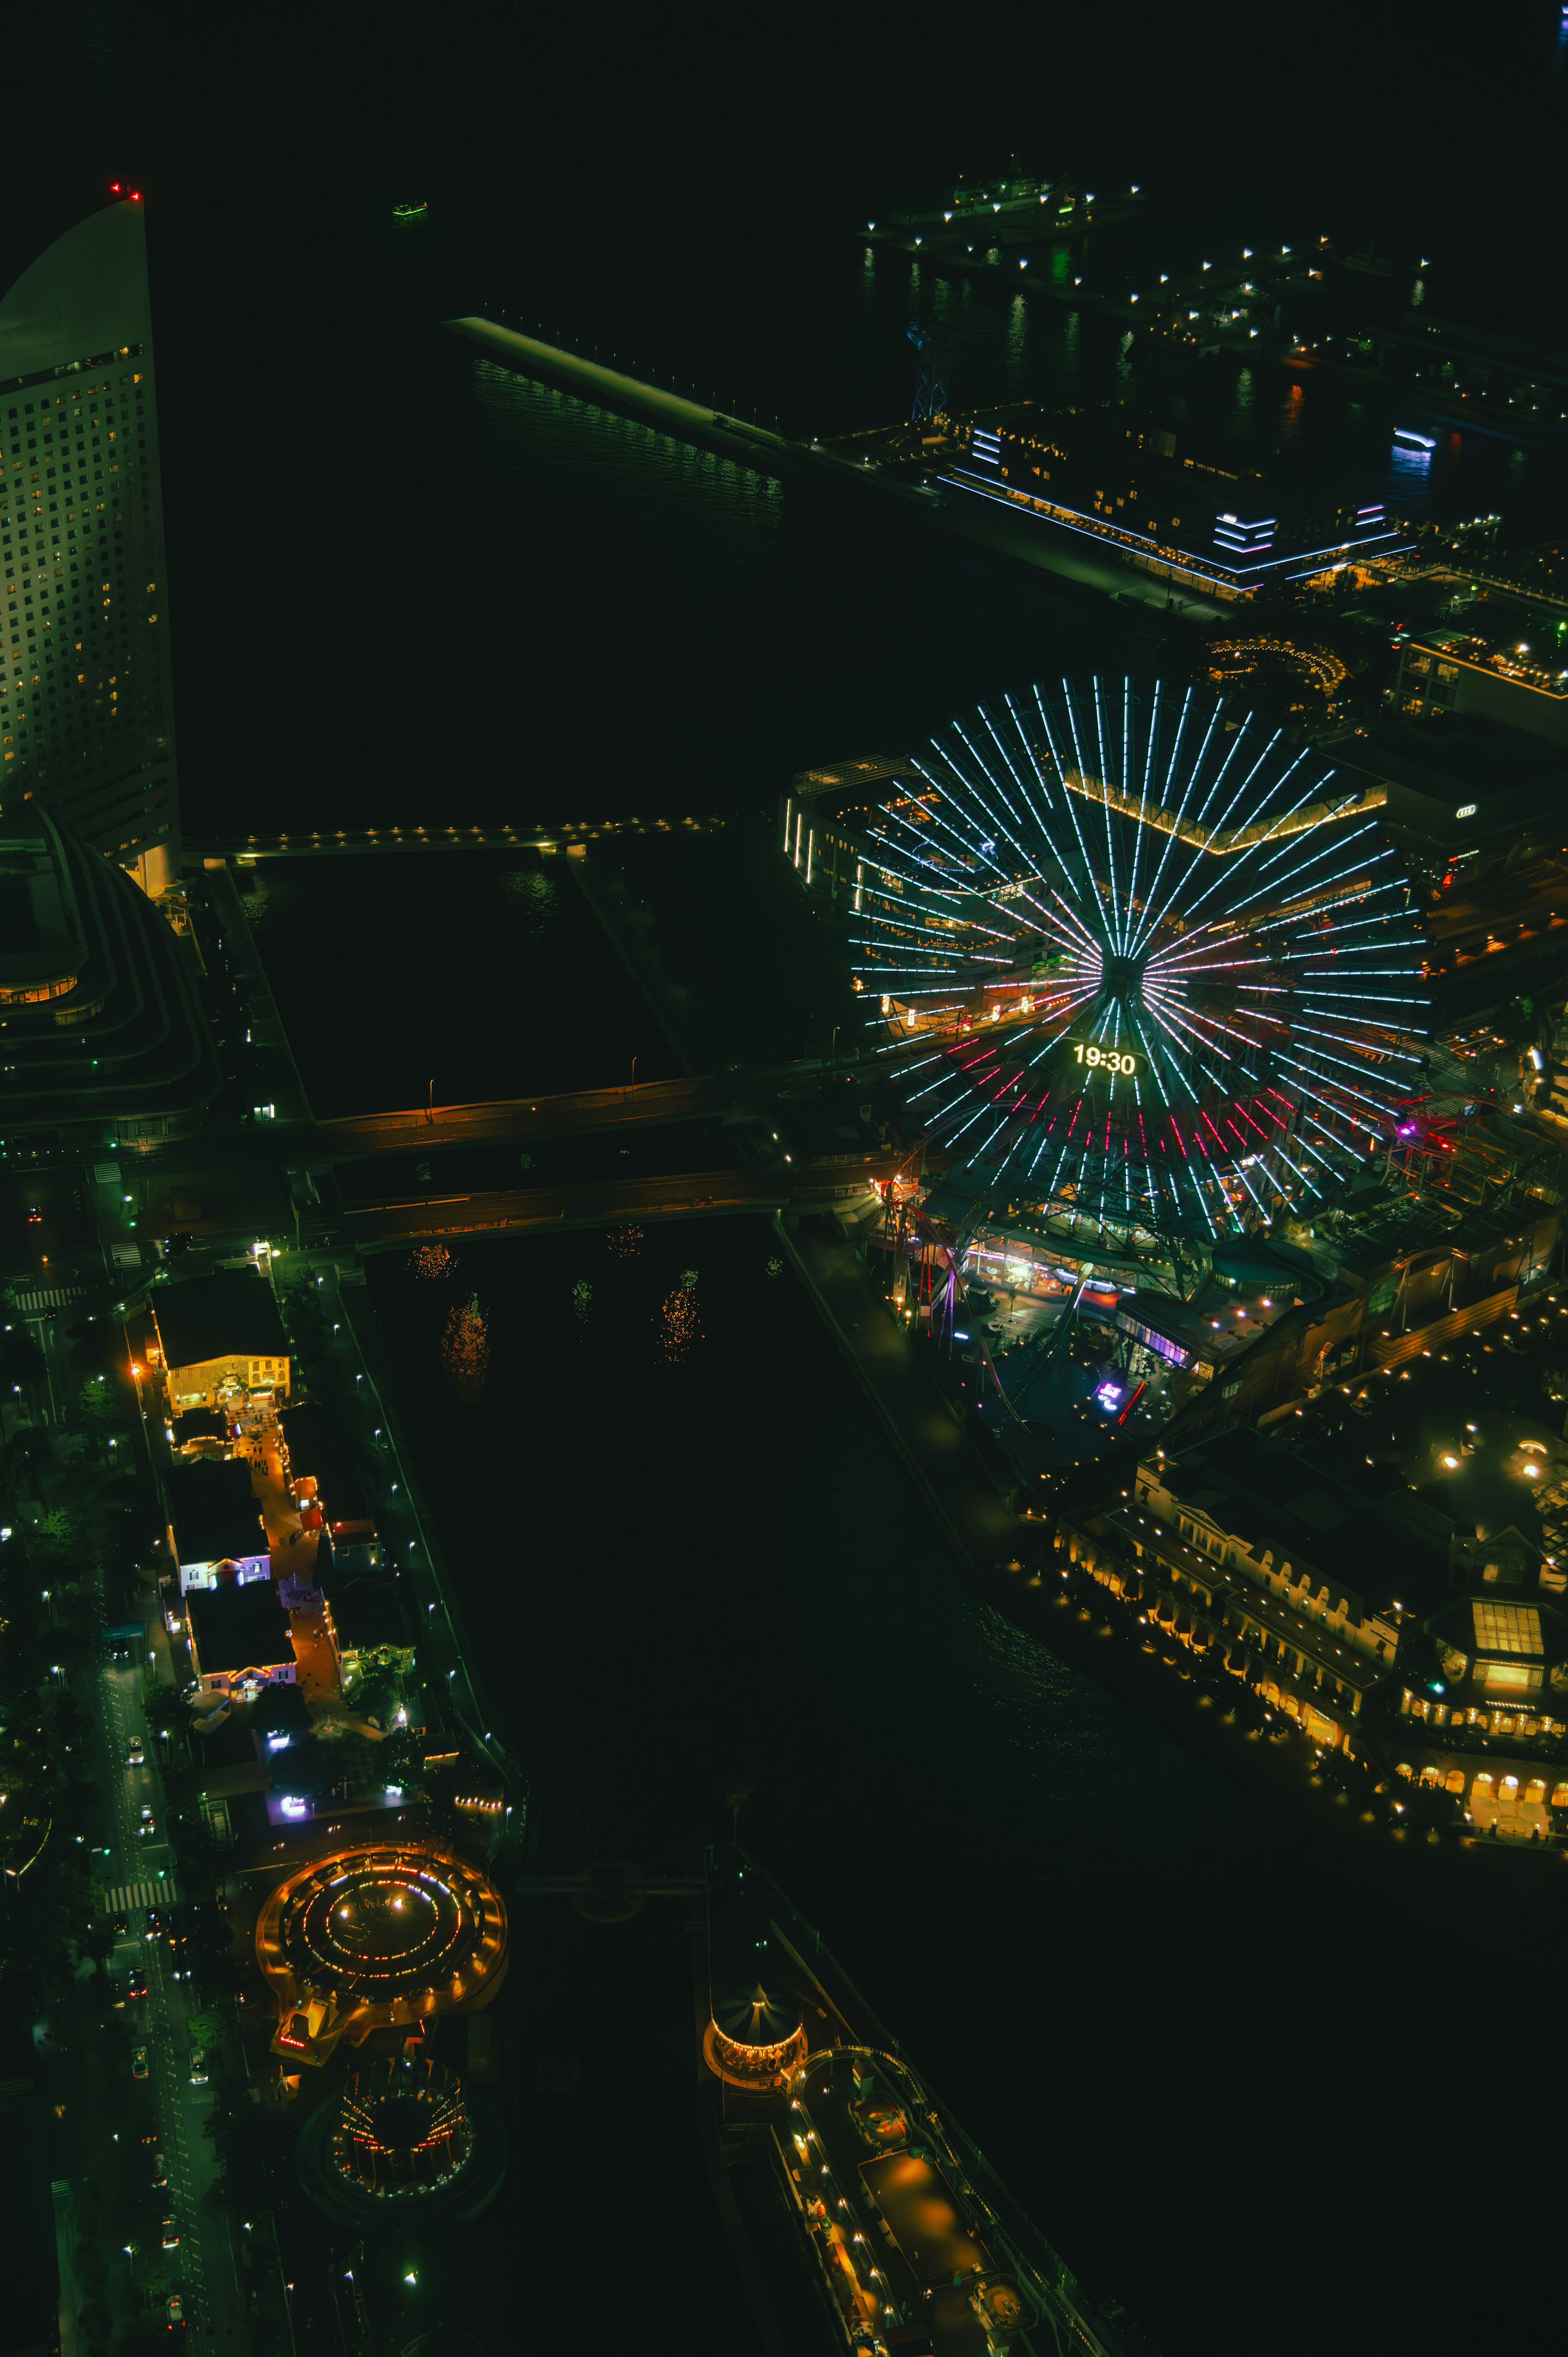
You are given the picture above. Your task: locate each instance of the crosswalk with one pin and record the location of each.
(161, 1894)
(49, 1296)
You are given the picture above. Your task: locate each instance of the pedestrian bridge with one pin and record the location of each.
(572, 836)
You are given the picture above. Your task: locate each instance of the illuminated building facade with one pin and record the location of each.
(86, 701)
(1177, 513)
(219, 1337)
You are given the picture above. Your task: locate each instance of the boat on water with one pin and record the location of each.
(914, 2246)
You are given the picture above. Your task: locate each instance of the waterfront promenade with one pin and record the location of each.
(974, 1516)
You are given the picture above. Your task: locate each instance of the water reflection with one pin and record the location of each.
(1018, 338)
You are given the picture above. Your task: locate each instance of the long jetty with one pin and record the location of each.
(750, 444)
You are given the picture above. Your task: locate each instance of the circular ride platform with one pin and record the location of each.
(376, 1937)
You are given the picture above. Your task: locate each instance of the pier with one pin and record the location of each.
(922, 504)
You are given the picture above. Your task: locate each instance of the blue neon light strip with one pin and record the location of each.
(1203, 566)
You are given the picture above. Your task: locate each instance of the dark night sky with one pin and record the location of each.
(269, 139)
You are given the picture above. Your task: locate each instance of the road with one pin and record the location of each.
(204, 2263)
(836, 1177)
(576, 1111)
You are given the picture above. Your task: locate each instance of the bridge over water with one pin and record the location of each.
(816, 1184)
(569, 834)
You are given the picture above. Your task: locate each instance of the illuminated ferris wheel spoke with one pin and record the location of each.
(993, 782)
(1331, 814)
(969, 847)
(1079, 762)
(997, 829)
(1293, 904)
(995, 735)
(1069, 799)
(1141, 829)
(1032, 760)
(1379, 1106)
(1204, 849)
(1225, 987)
(1356, 1040)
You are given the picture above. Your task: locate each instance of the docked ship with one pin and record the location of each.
(912, 2245)
(1016, 210)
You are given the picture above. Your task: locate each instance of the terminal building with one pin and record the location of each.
(1171, 509)
(86, 692)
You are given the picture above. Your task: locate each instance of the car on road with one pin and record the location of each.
(176, 2311)
(198, 2076)
(137, 1983)
(139, 2064)
(160, 2174)
(171, 2234)
(155, 1920)
(119, 1923)
(146, 1830)
(134, 1757)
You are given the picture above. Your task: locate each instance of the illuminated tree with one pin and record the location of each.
(465, 1347)
(432, 1261)
(678, 1321)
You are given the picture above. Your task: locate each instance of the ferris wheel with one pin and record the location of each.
(1133, 951)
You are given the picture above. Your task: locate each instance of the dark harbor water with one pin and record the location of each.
(1214, 2055)
(1211, 2049)
(458, 976)
(534, 610)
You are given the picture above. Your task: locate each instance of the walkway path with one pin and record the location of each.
(974, 1518)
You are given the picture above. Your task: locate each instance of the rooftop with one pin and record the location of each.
(320, 1446)
(1361, 1521)
(236, 1627)
(216, 1516)
(231, 1312)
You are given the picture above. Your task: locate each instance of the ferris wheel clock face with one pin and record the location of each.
(1134, 950)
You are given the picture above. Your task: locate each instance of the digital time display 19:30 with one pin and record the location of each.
(1105, 1060)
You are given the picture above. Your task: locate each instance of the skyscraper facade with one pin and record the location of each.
(86, 703)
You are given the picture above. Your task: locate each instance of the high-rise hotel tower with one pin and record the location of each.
(86, 710)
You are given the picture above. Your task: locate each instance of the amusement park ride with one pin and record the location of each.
(1143, 972)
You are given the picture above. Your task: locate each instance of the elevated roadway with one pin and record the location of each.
(576, 1112)
(817, 1185)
